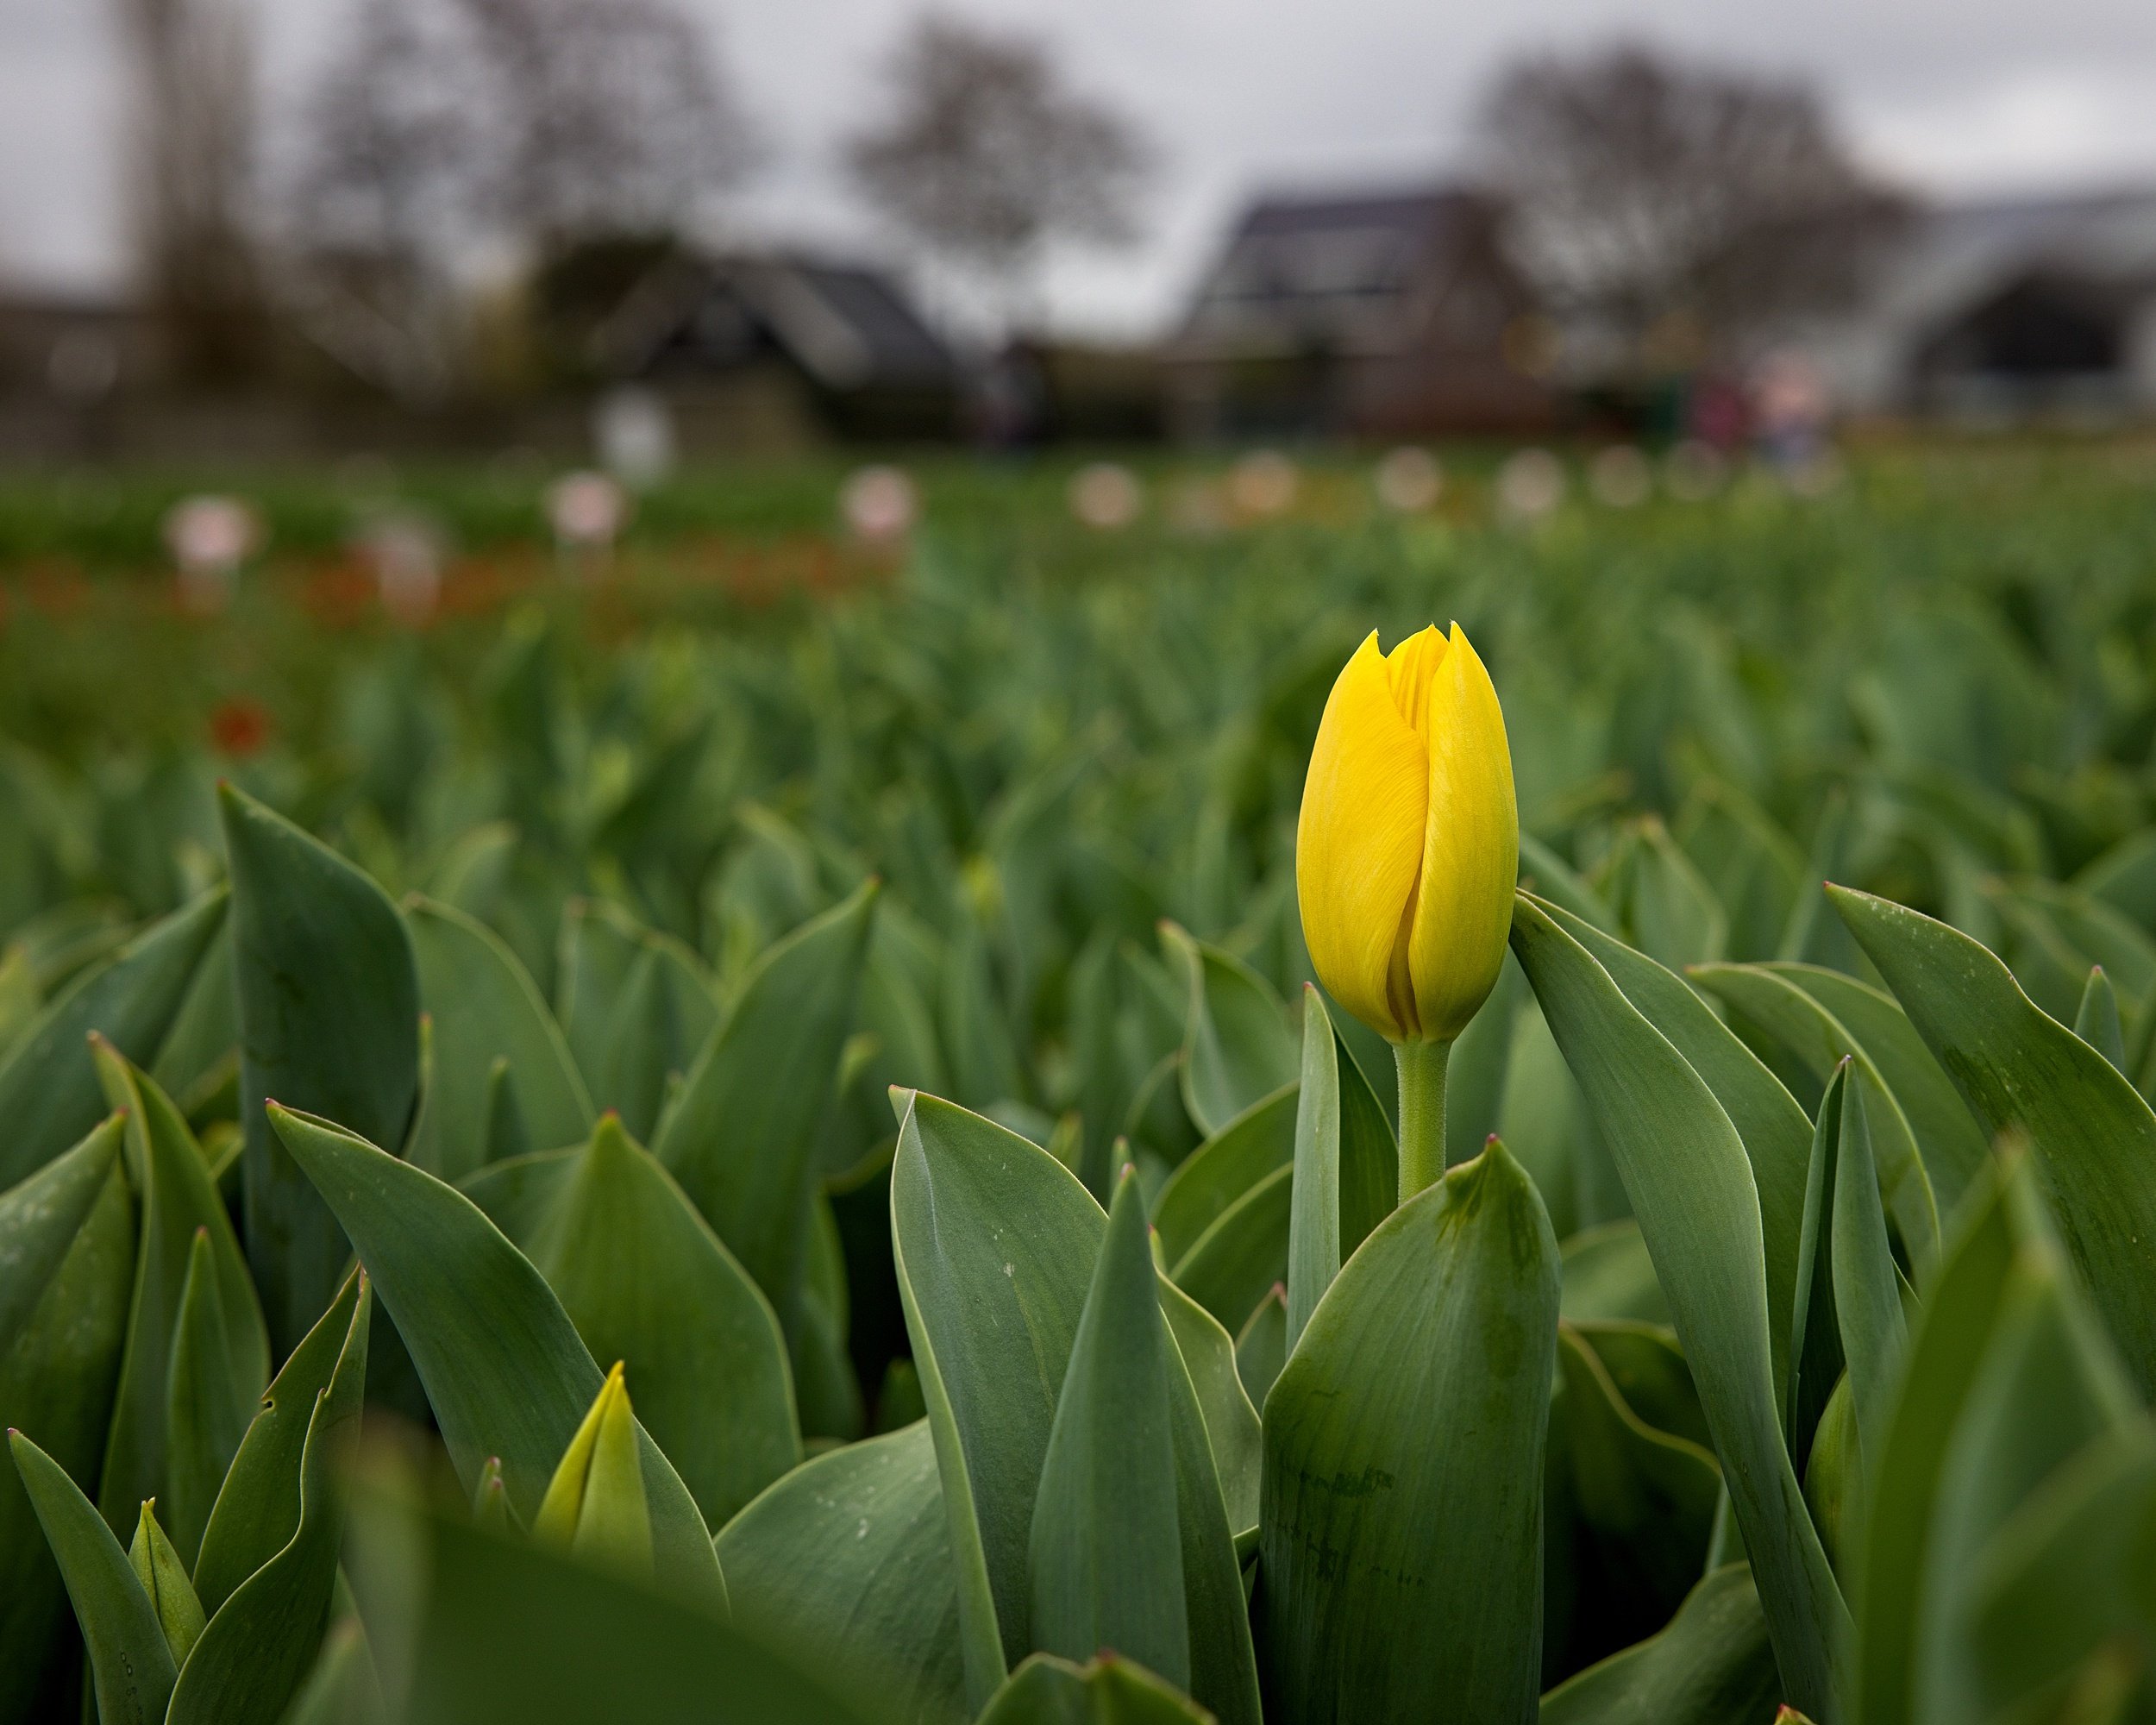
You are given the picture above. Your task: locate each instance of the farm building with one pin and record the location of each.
(1386, 313)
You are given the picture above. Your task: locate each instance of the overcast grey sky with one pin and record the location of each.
(1953, 96)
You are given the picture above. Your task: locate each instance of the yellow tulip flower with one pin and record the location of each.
(1406, 852)
(1408, 844)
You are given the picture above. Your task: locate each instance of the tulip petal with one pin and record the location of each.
(1359, 839)
(1411, 666)
(1471, 856)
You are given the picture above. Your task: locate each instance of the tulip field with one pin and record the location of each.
(1261, 1106)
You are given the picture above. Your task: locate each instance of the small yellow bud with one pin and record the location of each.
(1408, 848)
(595, 1504)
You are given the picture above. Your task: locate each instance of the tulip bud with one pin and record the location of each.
(595, 1504)
(1408, 848)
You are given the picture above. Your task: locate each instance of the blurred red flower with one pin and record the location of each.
(238, 728)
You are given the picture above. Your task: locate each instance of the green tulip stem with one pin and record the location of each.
(1421, 1113)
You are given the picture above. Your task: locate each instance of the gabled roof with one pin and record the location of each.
(847, 326)
(1332, 270)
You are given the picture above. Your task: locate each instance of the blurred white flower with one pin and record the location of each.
(634, 429)
(1105, 495)
(880, 504)
(587, 511)
(1264, 482)
(1621, 476)
(1409, 479)
(209, 538)
(1530, 485)
(404, 552)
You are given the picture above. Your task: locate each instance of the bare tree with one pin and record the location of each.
(985, 156)
(1675, 202)
(383, 191)
(194, 158)
(607, 117)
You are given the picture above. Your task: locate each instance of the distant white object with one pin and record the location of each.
(634, 430)
(209, 537)
(1530, 485)
(1621, 476)
(1264, 482)
(880, 504)
(1105, 495)
(1409, 479)
(406, 554)
(588, 511)
(1695, 471)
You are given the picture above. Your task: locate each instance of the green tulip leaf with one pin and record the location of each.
(1211, 1357)
(129, 1660)
(49, 1091)
(2093, 1138)
(67, 1248)
(163, 1574)
(262, 1638)
(1713, 1665)
(329, 1024)
(1261, 1349)
(486, 1008)
(1347, 1166)
(1609, 1275)
(1222, 1169)
(342, 1688)
(504, 1370)
(847, 1560)
(520, 1192)
(1236, 1261)
(1647, 1367)
(1401, 1534)
(742, 1139)
(208, 1402)
(2096, 1020)
(1690, 1181)
(1104, 1691)
(646, 1281)
(1237, 1048)
(180, 1206)
(1104, 1555)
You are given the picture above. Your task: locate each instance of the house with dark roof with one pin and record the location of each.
(1391, 314)
(842, 340)
(2005, 309)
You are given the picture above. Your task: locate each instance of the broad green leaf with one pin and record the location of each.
(1953, 1145)
(66, 1270)
(1478, 1066)
(1237, 1047)
(129, 1660)
(203, 1046)
(1822, 1042)
(1867, 1286)
(505, 1370)
(49, 1092)
(1690, 1182)
(519, 1195)
(846, 1562)
(512, 1633)
(1236, 1261)
(1713, 1665)
(343, 1688)
(995, 1242)
(1776, 1135)
(485, 1008)
(208, 1401)
(2093, 1138)
(1261, 1349)
(179, 1204)
(742, 1139)
(1104, 1556)
(504, 1134)
(1640, 1503)
(2057, 1580)
(1553, 879)
(163, 1574)
(262, 1639)
(1888, 1571)
(329, 1024)
(1400, 1536)
(1662, 900)
(1609, 1275)
(1221, 1170)
(825, 1386)
(1644, 1363)
(1104, 1691)
(1210, 1356)
(1347, 1177)
(257, 1510)
(646, 1281)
